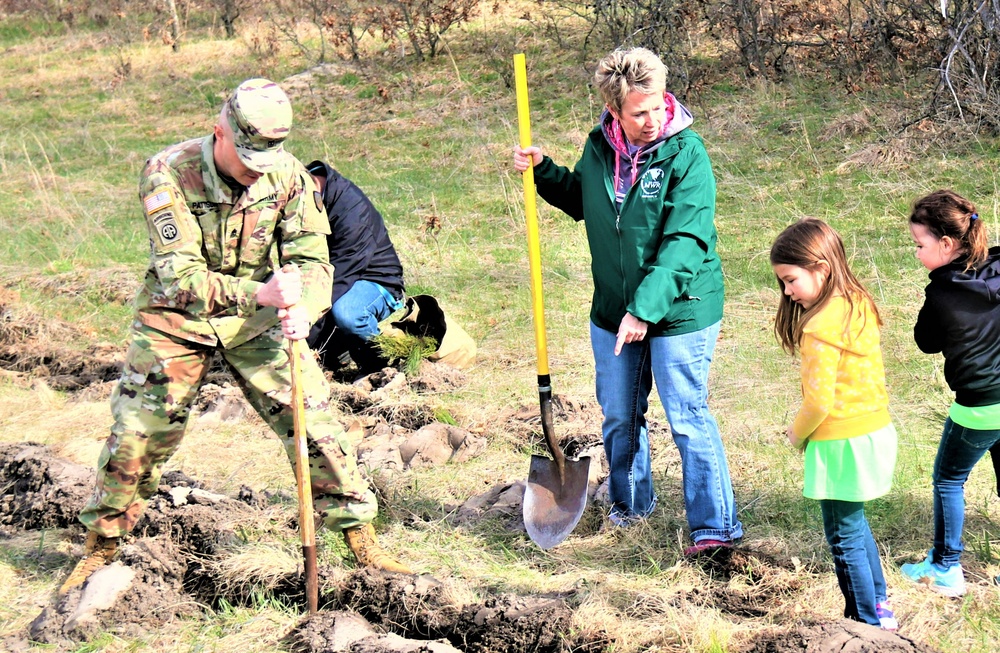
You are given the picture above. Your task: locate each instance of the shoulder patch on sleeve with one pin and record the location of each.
(166, 230)
(313, 214)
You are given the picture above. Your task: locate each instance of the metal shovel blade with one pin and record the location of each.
(552, 507)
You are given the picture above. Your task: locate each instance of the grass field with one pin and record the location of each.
(430, 142)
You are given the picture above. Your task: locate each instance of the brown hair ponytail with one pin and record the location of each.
(946, 213)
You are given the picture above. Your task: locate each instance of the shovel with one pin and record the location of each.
(556, 492)
(307, 527)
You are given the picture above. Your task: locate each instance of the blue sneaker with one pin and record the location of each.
(885, 616)
(948, 582)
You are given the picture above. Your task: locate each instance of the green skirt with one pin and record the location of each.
(855, 469)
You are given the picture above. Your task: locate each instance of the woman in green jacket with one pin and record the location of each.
(645, 190)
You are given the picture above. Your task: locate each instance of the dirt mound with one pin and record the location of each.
(34, 345)
(750, 583)
(582, 419)
(417, 606)
(420, 607)
(578, 426)
(754, 566)
(40, 491)
(336, 632)
(161, 573)
(837, 637)
(223, 402)
(386, 395)
(141, 590)
(438, 377)
(503, 501)
(175, 561)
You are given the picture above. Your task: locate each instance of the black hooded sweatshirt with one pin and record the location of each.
(960, 318)
(359, 243)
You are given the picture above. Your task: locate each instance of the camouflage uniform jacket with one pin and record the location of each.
(211, 251)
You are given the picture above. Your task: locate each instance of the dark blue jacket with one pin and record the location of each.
(359, 243)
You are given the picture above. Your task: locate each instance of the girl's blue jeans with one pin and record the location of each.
(959, 451)
(855, 558)
(679, 365)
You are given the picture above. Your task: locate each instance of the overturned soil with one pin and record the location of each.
(842, 636)
(180, 559)
(33, 347)
(173, 566)
(170, 567)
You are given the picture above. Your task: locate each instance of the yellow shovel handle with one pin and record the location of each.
(531, 215)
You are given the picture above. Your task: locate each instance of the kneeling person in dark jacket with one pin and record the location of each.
(367, 274)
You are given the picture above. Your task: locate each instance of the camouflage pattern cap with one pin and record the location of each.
(261, 117)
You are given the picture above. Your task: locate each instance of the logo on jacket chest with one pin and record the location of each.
(651, 182)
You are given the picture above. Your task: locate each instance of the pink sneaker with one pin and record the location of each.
(706, 546)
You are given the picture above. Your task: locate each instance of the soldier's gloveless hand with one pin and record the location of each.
(294, 322)
(283, 289)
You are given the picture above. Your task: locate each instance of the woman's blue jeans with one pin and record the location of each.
(959, 451)
(855, 558)
(679, 365)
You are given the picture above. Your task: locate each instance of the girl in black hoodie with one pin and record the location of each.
(960, 318)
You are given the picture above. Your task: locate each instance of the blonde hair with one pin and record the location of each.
(624, 71)
(946, 213)
(808, 244)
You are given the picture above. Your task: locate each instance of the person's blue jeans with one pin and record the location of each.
(679, 365)
(855, 558)
(361, 308)
(959, 451)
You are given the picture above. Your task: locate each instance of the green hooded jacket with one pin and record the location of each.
(656, 258)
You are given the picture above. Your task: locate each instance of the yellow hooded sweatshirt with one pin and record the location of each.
(843, 379)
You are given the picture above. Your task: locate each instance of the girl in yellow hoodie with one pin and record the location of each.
(843, 426)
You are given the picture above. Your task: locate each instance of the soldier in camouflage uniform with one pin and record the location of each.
(239, 265)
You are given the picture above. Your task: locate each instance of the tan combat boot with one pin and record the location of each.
(97, 552)
(364, 545)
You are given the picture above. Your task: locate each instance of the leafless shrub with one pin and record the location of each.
(230, 11)
(968, 77)
(773, 37)
(342, 24)
(339, 26)
(667, 27)
(263, 40)
(37, 7)
(421, 23)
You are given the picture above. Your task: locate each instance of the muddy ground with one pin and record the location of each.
(170, 568)
(173, 565)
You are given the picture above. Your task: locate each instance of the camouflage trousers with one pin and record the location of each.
(152, 403)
